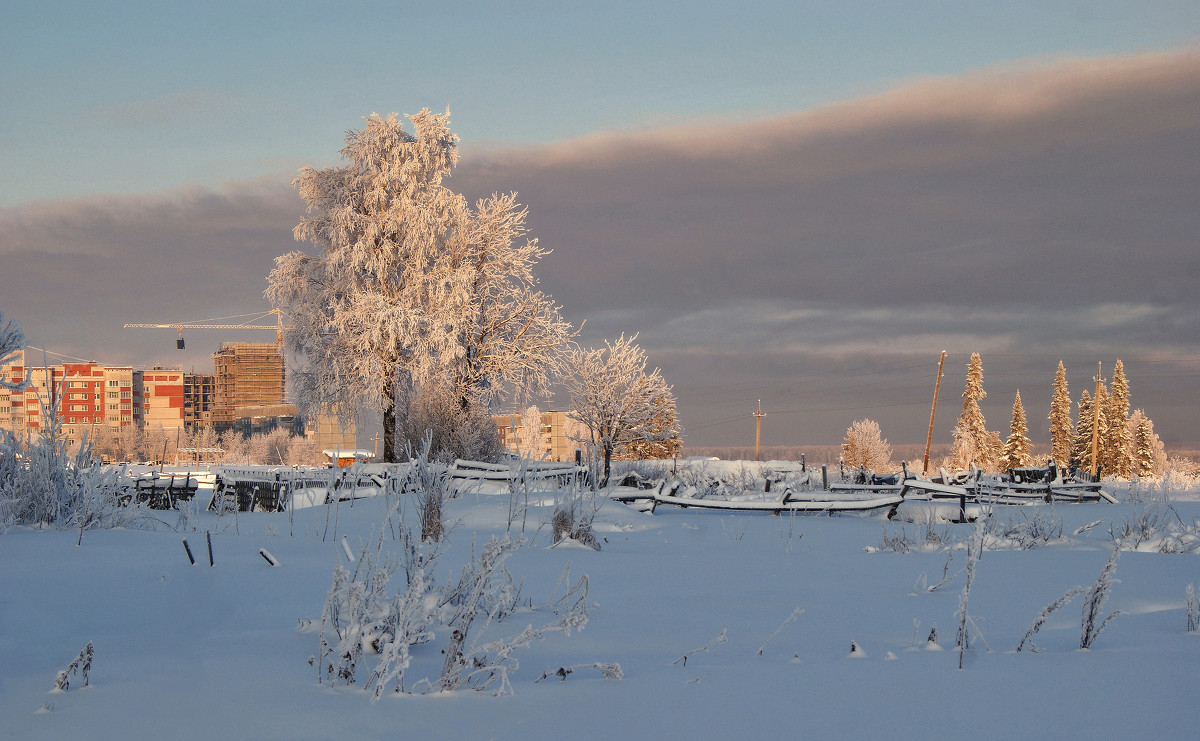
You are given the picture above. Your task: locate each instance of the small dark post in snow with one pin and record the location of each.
(962, 507)
(824, 477)
(267, 556)
(188, 548)
(208, 536)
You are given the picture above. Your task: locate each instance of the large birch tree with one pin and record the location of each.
(412, 289)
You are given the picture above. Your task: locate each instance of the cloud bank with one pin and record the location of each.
(818, 261)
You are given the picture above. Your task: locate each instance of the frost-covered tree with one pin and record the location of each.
(1149, 453)
(1061, 426)
(1089, 410)
(664, 443)
(617, 402)
(530, 439)
(972, 441)
(1018, 450)
(304, 451)
(235, 446)
(454, 430)
(1117, 442)
(413, 288)
(12, 340)
(864, 446)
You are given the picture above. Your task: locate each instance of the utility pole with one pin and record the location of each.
(929, 438)
(758, 415)
(1096, 422)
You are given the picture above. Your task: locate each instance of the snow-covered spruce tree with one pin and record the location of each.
(412, 287)
(864, 446)
(1149, 453)
(1018, 450)
(1117, 442)
(617, 402)
(1100, 412)
(1061, 425)
(1081, 448)
(973, 443)
(1143, 456)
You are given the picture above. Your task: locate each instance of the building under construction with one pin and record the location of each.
(245, 374)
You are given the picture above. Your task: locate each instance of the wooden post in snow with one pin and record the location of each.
(929, 438)
(1096, 422)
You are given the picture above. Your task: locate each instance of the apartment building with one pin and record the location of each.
(88, 395)
(553, 445)
(199, 393)
(158, 394)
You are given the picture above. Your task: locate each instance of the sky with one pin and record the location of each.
(798, 203)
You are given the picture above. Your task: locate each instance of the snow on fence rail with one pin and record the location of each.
(273, 489)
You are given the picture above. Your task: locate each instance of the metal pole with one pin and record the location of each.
(758, 415)
(929, 438)
(1096, 422)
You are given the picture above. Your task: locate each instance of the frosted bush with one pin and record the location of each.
(574, 512)
(43, 484)
(366, 627)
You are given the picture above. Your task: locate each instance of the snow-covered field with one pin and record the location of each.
(194, 652)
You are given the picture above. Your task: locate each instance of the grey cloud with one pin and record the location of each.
(818, 261)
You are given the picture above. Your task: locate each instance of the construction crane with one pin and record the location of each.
(277, 327)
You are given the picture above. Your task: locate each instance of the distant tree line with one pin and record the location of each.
(155, 444)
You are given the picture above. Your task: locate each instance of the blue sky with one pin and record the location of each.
(802, 203)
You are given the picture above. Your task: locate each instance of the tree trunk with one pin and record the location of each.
(389, 433)
(389, 420)
(607, 465)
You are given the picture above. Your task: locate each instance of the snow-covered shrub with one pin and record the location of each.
(43, 484)
(962, 640)
(366, 627)
(80, 666)
(1024, 531)
(361, 617)
(1094, 598)
(1146, 524)
(574, 511)
(608, 671)
(928, 538)
(430, 483)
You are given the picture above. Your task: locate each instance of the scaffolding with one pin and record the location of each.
(245, 374)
